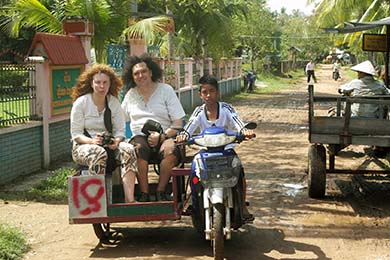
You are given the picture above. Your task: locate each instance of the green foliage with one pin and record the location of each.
(203, 28)
(256, 32)
(332, 14)
(301, 32)
(54, 188)
(13, 78)
(12, 243)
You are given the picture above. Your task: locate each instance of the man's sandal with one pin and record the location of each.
(248, 218)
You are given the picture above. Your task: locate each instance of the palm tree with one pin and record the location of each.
(29, 13)
(202, 26)
(334, 13)
(109, 17)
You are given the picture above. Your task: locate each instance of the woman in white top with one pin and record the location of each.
(96, 86)
(149, 99)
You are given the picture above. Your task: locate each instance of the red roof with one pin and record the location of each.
(60, 49)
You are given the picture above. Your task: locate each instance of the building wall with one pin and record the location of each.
(20, 153)
(60, 143)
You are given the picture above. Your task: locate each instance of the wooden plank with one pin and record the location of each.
(357, 126)
(383, 99)
(151, 208)
(383, 141)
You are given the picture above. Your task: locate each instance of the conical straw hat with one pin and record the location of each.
(366, 67)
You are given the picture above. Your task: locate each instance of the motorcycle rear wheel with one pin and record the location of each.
(219, 237)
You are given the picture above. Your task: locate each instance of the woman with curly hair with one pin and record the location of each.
(149, 99)
(94, 98)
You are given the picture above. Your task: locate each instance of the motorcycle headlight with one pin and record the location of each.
(215, 140)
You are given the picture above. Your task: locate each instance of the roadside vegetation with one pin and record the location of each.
(54, 189)
(13, 243)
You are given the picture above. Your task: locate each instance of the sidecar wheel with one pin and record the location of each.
(316, 171)
(102, 231)
(219, 237)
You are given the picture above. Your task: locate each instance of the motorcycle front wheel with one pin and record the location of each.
(219, 237)
(197, 217)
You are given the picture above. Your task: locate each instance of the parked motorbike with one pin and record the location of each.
(216, 185)
(336, 74)
(249, 80)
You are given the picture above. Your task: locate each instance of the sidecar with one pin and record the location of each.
(99, 200)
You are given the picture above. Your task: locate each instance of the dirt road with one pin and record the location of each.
(351, 222)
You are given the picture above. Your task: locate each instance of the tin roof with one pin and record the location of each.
(350, 27)
(60, 49)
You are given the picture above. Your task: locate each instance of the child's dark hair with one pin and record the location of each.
(208, 79)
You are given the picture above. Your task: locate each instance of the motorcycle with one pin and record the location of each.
(336, 74)
(216, 186)
(249, 80)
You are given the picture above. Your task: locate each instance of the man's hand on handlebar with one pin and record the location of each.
(248, 133)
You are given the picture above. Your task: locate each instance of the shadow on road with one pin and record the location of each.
(248, 243)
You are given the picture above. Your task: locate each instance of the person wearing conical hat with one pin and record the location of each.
(364, 85)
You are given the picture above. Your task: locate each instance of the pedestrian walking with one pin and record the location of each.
(310, 67)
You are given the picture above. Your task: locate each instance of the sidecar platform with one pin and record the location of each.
(95, 199)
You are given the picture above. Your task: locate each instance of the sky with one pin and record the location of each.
(276, 5)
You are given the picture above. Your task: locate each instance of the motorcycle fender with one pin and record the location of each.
(229, 194)
(215, 195)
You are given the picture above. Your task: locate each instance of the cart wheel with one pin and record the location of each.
(316, 171)
(102, 231)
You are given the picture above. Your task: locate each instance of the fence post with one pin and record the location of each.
(43, 106)
(238, 62)
(231, 66)
(189, 63)
(178, 73)
(200, 67)
(210, 66)
(32, 90)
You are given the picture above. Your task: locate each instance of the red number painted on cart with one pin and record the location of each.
(88, 195)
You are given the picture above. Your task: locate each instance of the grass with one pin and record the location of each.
(54, 189)
(10, 108)
(13, 243)
(274, 83)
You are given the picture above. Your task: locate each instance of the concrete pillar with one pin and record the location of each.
(137, 47)
(43, 106)
(209, 64)
(178, 73)
(201, 67)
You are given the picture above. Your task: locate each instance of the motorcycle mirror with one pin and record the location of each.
(251, 125)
